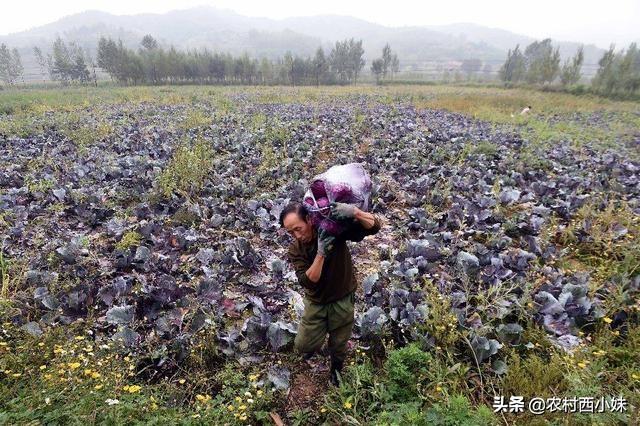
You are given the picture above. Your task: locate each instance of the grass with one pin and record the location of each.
(80, 380)
(188, 170)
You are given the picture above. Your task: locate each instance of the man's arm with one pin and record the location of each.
(314, 271)
(366, 219)
(364, 224)
(308, 274)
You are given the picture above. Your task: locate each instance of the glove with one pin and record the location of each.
(325, 242)
(343, 211)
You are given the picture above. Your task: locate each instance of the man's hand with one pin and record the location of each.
(343, 211)
(325, 242)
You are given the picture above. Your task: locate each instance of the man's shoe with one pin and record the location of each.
(335, 373)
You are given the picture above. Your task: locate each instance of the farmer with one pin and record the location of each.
(324, 268)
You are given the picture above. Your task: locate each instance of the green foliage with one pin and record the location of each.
(77, 378)
(405, 369)
(10, 65)
(188, 169)
(514, 68)
(411, 380)
(68, 63)
(618, 73)
(570, 73)
(196, 119)
(128, 240)
(543, 62)
(534, 376)
(613, 243)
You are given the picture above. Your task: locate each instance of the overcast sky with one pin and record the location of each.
(600, 22)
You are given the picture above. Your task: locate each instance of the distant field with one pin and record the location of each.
(145, 279)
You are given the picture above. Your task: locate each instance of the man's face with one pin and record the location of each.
(300, 229)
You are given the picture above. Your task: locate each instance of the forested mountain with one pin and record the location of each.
(224, 30)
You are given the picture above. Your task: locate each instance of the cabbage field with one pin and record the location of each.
(145, 278)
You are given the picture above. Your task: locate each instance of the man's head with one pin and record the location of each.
(295, 219)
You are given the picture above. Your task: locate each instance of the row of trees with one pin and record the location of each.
(539, 63)
(66, 63)
(387, 65)
(11, 68)
(154, 64)
(618, 73)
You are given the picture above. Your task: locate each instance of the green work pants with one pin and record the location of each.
(335, 318)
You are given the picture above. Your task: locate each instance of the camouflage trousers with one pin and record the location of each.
(335, 318)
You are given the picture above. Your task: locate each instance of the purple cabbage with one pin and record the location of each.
(318, 189)
(332, 227)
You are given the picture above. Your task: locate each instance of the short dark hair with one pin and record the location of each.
(293, 207)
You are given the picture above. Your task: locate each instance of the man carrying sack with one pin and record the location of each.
(324, 268)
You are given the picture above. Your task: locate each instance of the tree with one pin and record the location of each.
(10, 65)
(288, 63)
(604, 81)
(389, 64)
(60, 63)
(570, 73)
(149, 43)
(387, 60)
(355, 55)
(41, 61)
(377, 68)
(514, 68)
(340, 61)
(5, 64)
(150, 56)
(17, 69)
(107, 56)
(395, 65)
(79, 71)
(629, 70)
(320, 66)
(542, 62)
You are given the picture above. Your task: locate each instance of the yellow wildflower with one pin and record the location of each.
(132, 388)
(607, 320)
(347, 405)
(230, 407)
(97, 387)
